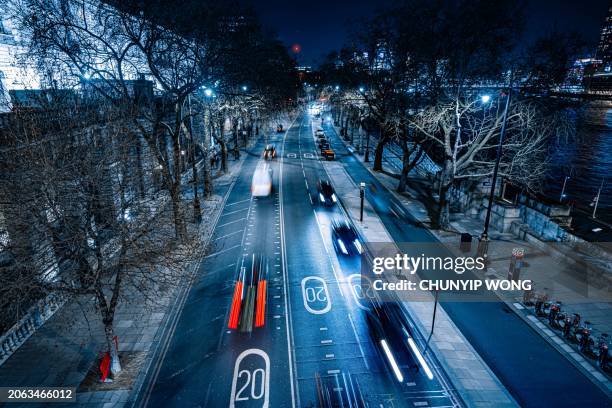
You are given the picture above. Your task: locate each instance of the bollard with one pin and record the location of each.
(516, 262)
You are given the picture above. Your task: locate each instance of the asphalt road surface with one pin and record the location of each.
(315, 340)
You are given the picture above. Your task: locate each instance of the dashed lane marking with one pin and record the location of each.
(234, 212)
(231, 222)
(238, 202)
(224, 250)
(228, 235)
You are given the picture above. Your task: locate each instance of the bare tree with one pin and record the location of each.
(105, 49)
(78, 228)
(464, 134)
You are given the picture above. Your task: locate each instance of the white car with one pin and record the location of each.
(262, 181)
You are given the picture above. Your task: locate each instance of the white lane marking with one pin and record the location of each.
(234, 212)
(420, 403)
(327, 341)
(394, 213)
(518, 306)
(251, 379)
(295, 395)
(333, 372)
(238, 202)
(365, 361)
(231, 222)
(223, 250)
(315, 294)
(323, 328)
(330, 355)
(328, 254)
(228, 235)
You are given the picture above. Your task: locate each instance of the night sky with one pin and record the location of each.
(320, 26)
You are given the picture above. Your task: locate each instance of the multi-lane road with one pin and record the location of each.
(315, 340)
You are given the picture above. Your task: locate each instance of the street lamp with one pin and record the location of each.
(208, 92)
(361, 89)
(361, 196)
(244, 88)
(337, 88)
(483, 244)
(563, 195)
(485, 98)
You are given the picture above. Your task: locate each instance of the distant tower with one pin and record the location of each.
(604, 49)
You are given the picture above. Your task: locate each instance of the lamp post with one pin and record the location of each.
(562, 196)
(361, 197)
(483, 244)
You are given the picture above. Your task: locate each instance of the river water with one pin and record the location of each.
(587, 160)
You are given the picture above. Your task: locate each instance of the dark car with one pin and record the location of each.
(327, 196)
(345, 238)
(391, 331)
(269, 152)
(323, 144)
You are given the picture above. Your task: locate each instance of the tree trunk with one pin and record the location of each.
(446, 180)
(139, 170)
(403, 181)
(197, 212)
(408, 165)
(444, 209)
(179, 223)
(378, 153)
(367, 152)
(115, 363)
(223, 157)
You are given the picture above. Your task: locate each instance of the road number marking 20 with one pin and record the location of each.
(254, 382)
(359, 291)
(314, 294)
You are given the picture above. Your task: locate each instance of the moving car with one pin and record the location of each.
(319, 133)
(261, 185)
(323, 144)
(391, 333)
(269, 152)
(328, 154)
(327, 196)
(345, 238)
(248, 310)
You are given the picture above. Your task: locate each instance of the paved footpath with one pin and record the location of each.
(63, 350)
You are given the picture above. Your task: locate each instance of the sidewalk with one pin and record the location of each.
(548, 265)
(63, 351)
(469, 374)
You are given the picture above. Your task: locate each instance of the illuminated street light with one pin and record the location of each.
(244, 88)
(485, 98)
(361, 89)
(208, 92)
